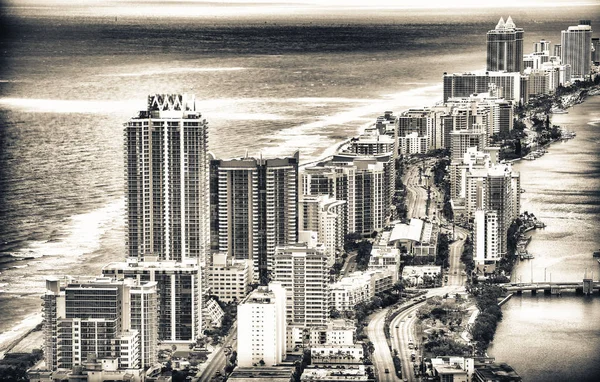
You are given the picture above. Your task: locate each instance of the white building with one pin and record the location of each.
(302, 270)
(412, 143)
(229, 279)
(415, 274)
(359, 287)
(486, 246)
(576, 49)
(352, 353)
(456, 369)
(334, 332)
(261, 328)
(418, 238)
(327, 217)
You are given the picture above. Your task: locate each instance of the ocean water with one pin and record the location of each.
(551, 338)
(266, 83)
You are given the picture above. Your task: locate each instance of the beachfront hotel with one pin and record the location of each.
(576, 43)
(256, 204)
(505, 47)
(166, 172)
(113, 319)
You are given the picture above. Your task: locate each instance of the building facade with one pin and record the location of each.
(180, 313)
(94, 316)
(166, 172)
(262, 332)
(303, 271)
(257, 208)
(505, 47)
(576, 49)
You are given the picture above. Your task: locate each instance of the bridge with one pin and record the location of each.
(587, 287)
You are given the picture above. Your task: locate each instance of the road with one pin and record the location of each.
(350, 264)
(403, 331)
(382, 358)
(217, 363)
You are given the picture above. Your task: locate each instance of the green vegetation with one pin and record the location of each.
(230, 310)
(13, 367)
(437, 344)
(355, 242)
(399, 199)
(440, 170)
(443, 251)
(467, 256)
(486, 296)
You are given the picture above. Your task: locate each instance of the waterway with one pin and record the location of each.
(550, 338)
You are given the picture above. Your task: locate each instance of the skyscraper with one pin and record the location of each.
(257, 203)
(576, 43)
(167, 180)
(505, 47)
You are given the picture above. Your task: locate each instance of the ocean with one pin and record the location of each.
(267, 83)
(562, 190)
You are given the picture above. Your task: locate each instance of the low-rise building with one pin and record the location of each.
(261, 374)
(418, 238)
(325, 354)
(334, 332)
(415, 274)
(229, 279)
(359, 287)
(455, 369)
(336, 373)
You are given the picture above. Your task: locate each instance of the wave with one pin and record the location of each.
(33, 105)
(83, 233)
(18, 332)
(309, 137)
(154, 72)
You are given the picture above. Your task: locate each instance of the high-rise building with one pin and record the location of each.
(302, 270)
(262, 331)
(369, 190)
(462, 140)
(327, 217)
(256, 208)
(505, 47)
(144, 319)
(542, 46)
(576, 49)
(496, 188)
(596, 50)
(180, 314)
(96, 316)
(460, 85)
(166, 172)
(486, 250)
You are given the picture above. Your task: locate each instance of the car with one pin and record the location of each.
(387, 371)
(410, 316)
(397, 326)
